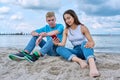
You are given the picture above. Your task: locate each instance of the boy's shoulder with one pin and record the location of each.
(59, 25)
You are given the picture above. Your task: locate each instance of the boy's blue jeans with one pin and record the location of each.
(79, 51)
(46, 47)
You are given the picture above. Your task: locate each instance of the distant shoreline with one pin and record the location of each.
(15, 34)
(30, 34)
(105, 34)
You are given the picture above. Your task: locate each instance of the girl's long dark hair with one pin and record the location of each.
(73, 14)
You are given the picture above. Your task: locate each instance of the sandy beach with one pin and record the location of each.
(56, 68)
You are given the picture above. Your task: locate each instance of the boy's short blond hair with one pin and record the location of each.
(50, 14)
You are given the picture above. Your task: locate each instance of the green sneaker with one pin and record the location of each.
(32, 58)
(18, 56)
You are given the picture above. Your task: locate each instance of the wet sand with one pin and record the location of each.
(56, 68)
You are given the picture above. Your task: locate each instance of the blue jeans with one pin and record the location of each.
(79, 51)
(46, 47)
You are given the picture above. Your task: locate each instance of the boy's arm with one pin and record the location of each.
(34, 33)
(43, 33)
(57, 31)
(37, 32)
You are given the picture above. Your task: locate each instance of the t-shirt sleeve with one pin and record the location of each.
(43, 29)
(60, 28)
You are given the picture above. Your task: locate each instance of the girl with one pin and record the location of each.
(80, 37)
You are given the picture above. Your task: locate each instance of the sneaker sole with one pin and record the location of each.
(26, 58)
(16, 58)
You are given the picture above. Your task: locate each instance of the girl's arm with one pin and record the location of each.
(85, 31)
(63, 39)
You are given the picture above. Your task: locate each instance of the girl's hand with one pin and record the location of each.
(56, 41)
(89, 44)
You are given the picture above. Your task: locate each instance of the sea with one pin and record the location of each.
(103, 43)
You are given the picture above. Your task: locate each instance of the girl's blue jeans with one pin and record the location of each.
(79, 51)
(46, 47)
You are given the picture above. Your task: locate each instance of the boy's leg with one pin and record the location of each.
(30, 46)
(48, 48)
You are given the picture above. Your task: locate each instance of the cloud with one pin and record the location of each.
(4, 10)
(4, 1)
(40, 4)
(101, 24)
(2, 17)
(23, 27)
(96, 25)
(9, 1)
(100, 7)
(17, 16)
(94, 2)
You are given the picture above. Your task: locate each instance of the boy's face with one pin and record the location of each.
(51, 21)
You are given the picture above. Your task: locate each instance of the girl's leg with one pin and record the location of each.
(82, 63)
(88, 53)
(93, 69)
(70, 55)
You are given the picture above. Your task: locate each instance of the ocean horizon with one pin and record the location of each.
(104, 43)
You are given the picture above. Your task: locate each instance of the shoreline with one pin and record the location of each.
(56, 68)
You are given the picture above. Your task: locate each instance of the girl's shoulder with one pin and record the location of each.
(83, 27)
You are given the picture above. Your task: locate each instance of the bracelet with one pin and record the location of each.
(38, 34)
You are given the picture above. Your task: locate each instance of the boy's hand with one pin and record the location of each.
(43, 34)
(38, 40)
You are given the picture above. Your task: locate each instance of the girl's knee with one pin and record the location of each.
(83, 43)
(59, 48)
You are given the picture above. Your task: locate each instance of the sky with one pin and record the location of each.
(100, 16)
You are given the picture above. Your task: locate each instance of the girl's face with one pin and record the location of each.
(69, 19)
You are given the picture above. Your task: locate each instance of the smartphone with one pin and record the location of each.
(54, 36)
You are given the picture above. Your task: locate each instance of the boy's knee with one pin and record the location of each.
(35, 37)
(50, 41)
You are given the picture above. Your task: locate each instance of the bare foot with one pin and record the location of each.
(94, 73)
(83, 64)
(93, 69)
